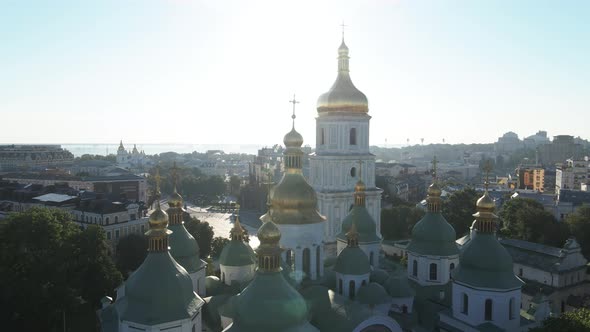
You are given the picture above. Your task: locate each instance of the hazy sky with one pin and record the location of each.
(160, 71)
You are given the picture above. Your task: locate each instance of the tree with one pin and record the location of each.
(579, 223)
(131, 252)
(459, 208)
(526, 219)
(202, 232)
(397, 222)
(49, 267)
(572, 321)
(217, 245)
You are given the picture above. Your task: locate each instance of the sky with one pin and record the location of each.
(223, 72)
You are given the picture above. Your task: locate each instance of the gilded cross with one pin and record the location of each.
(343, 26)
(294, 102)
(174, 170)
(434, 163)
(487, 168)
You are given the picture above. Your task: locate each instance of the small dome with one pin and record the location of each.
(184, 248)
(175, 199)
(372, 294)
(293, 139)
(352, 261)
(433, 235)
(236, 253)
(343, 48)
(379, 276)
(434, 190)
(158, 219)
(365, 225)
(486, 203)
(397, 286)
(360, 186)
(269, 233)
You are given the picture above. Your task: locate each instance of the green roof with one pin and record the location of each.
(433, 235)
(485, 263)
(237, 253)
(379, 276)
(184, 248)
(372, 294)
(397, 286)
(159, 291)
(269, 303)
(352, 261)
(365, 225)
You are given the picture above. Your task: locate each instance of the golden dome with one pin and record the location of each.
(175, 199)
(158, 219)
(485, 203)
(360, 186)
(269, 233)
(434, 190)
(343, 96)
(293, 139)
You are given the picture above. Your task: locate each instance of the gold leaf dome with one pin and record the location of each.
(360, 186)
(343, 96)
(269, 233)
(434, 190)
(175, 199)
(158, 219)
(293, 139)
(485, 203)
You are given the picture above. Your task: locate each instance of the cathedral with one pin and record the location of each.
(319, 265)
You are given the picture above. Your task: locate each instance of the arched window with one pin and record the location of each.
(116, 219)
(351, 289)
(364, 283)
(371, 258)
(488, 310)
(415, 268)
(352, 139)
(451, 268)
(432, 274)
(353, 172)
(465, 304)
(223, 277)
(107, 220)
(340, 286)
(322, 136)
(511, 309)
(317, 261)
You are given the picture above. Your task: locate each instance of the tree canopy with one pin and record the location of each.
(131, 252)
(397, 222)
(459, 208)
(49, 267)
(571, 321)
(202, 232)
(579, 223)
(526, 219)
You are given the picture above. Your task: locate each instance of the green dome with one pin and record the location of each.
(184, 248)
(379, 276)
(433, 235)
(237, 253)
(372, 294)
(159, 291)
(397, 286)
(485, 263)
(269, 303)
(352, 261)
(365, 225)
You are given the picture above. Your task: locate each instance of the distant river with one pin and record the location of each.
(103, 149)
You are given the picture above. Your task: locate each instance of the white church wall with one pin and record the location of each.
(379, 320)
(344, 286)
(443, 268)
(236, 273)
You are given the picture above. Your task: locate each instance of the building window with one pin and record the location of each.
(451, 268)
(371, 258)
(107, 220)
(117, 234)
(351, 289)
(465, 304)
(433, 271)
(108, 235)
(520, 272)
(340, 286)
(116, 219)
(352, 139)
(511, 309)
(415, 268)
(322, 136)
(353, 172)
(488, 310)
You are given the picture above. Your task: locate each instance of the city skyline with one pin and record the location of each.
(225, 72)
